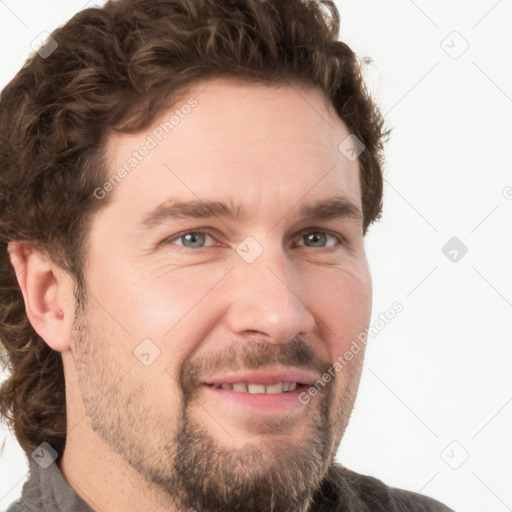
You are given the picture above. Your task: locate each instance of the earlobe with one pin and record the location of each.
(46, 293)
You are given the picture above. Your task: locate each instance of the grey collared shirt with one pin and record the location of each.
(48, 490)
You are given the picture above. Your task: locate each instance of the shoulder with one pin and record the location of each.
(347, 491)
(47, 489)
(18, 506)
(30, 500)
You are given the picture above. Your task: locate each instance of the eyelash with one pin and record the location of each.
(205, 231)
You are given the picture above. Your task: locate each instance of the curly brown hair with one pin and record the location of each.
(115, 69)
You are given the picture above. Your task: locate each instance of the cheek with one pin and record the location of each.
(342, 300)
(157, 298)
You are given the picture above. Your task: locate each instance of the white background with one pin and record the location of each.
(436, 392)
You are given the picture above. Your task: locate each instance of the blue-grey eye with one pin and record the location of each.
(192, 240)
(318, 239)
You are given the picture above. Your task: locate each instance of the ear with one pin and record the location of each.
(47, 292)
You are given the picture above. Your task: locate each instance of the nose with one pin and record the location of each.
(267, 300)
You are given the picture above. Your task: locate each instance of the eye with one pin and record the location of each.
(190, 240)
(201, 239)
(320, 239)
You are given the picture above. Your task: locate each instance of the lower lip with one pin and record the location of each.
(274, 403)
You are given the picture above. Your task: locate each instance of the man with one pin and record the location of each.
(185, 190)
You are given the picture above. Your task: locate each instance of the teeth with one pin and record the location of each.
(275, 388)
(256, 389)
(259, 389)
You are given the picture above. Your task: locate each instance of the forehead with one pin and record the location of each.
(238, 140)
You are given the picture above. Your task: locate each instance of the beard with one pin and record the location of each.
(211, 478)
(190, 470)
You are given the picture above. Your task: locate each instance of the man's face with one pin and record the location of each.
(228, 306)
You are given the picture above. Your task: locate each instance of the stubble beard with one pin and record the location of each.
(191, 469)
(254, 478)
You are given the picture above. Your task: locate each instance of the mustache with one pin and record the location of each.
(250, 355)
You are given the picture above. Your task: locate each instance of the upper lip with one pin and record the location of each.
(267, 377)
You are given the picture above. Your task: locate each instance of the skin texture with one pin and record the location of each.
(147, 435)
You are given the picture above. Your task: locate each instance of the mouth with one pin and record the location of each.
(273, 391)
(259, 389)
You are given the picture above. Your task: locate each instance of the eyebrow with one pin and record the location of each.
(173, 209)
